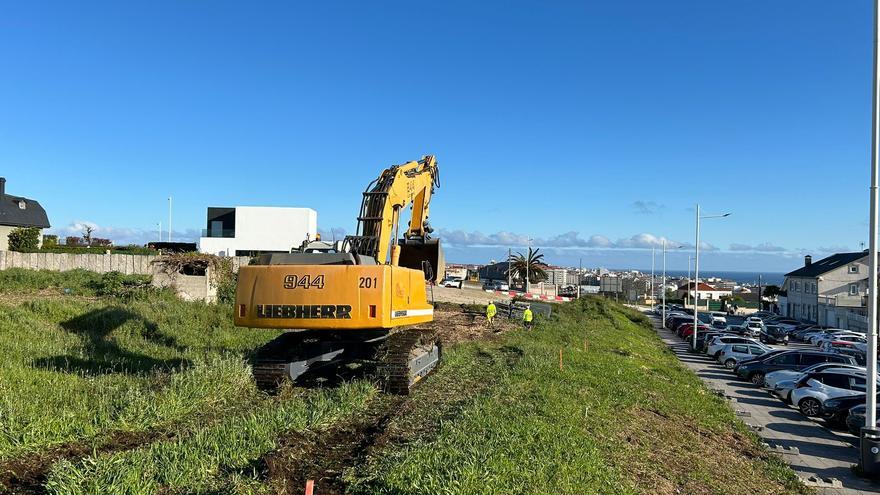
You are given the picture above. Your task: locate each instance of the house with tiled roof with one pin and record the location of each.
(706, 291)
(15, 212)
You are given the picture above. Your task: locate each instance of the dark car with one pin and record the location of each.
(855, 419)
(677, 321)
(774, 335)
(755, 370)
(703, 339)
(835, 411)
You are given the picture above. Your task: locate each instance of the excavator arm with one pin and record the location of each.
(410, 184)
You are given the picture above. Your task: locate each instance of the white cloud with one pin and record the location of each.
(123, 235)
(647, 207)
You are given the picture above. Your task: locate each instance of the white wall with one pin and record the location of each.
(264, 228)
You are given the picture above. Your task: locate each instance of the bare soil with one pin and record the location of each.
(27, 474)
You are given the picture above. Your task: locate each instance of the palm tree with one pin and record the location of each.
(533, 265)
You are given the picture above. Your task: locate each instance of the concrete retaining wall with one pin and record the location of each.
(129, 264)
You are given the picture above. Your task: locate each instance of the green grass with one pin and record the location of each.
(622, 417)
(73, 282)
(498, 417)
(110, 365)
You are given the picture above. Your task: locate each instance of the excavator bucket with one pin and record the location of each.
(423, 255)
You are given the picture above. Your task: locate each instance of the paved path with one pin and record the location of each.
(819, 451)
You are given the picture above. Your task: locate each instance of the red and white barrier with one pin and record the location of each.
(513, 293)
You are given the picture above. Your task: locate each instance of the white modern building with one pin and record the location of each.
(247, 230)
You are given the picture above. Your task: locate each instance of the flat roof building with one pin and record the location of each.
(248, 230)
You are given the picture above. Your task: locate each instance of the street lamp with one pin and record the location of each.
(528, 261)
(697, 270)
(663, 286)
(870, 434)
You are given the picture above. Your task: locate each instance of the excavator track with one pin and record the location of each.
(407, 357)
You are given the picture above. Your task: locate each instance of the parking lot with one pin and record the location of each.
(822, 457)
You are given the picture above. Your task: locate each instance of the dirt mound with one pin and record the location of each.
(454, 325)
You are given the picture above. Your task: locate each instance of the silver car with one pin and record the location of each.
(782, 387)
(717, 345)
(734, 353)
(772, 378)
(814, 389)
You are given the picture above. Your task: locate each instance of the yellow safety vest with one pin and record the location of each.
(490, 310)
(527, 315)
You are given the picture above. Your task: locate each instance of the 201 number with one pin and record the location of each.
(368, 283)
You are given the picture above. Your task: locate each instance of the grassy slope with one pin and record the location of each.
(145, 363)
(622, 417)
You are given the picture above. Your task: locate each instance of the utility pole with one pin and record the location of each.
(169, 219)
(870, 434)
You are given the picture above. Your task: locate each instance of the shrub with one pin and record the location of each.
(50, 240)
(24, 239)
(73, 240)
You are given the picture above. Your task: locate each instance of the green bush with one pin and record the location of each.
(24, 239)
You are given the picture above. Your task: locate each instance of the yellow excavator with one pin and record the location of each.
(360, 302)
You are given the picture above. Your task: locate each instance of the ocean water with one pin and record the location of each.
(767, 278)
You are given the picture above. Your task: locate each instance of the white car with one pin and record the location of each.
(734, 353)
(718, 315)
(832, 335)
(454, 283)
(772, 378)
(815, 388)
(717, 344)
(840, 337)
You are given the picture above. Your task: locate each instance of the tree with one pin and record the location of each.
(50, 240)
(87, 234)
(24, 239)
(533, 265)
(770, 291)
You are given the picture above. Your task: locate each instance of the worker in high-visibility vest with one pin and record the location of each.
(528, 317)
(491, 311)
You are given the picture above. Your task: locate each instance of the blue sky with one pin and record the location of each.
(592, 127)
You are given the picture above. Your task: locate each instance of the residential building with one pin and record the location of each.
(706, 291)
(831, 291)
(247, 230)
(494, 272)
(15, 212)
(556, 276)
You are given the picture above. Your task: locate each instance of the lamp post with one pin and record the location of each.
(870, 434)
(528, 262)
(651, 285)
(697, 271)
(663, 284)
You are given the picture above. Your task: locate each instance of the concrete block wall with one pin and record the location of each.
(129, 264)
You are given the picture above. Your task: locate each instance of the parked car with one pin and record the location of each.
(815, 388)
(782, 387)
(687, 330)
(773, 334)
(731, 354)
(855, 419)
(454, 283)
(750, 328)
(842, 346)
(835, 411)
(718, 315)
(842, 337)
(717, 344)
(817, 339)
(703, 339)
(755, 371)
(772, 378)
